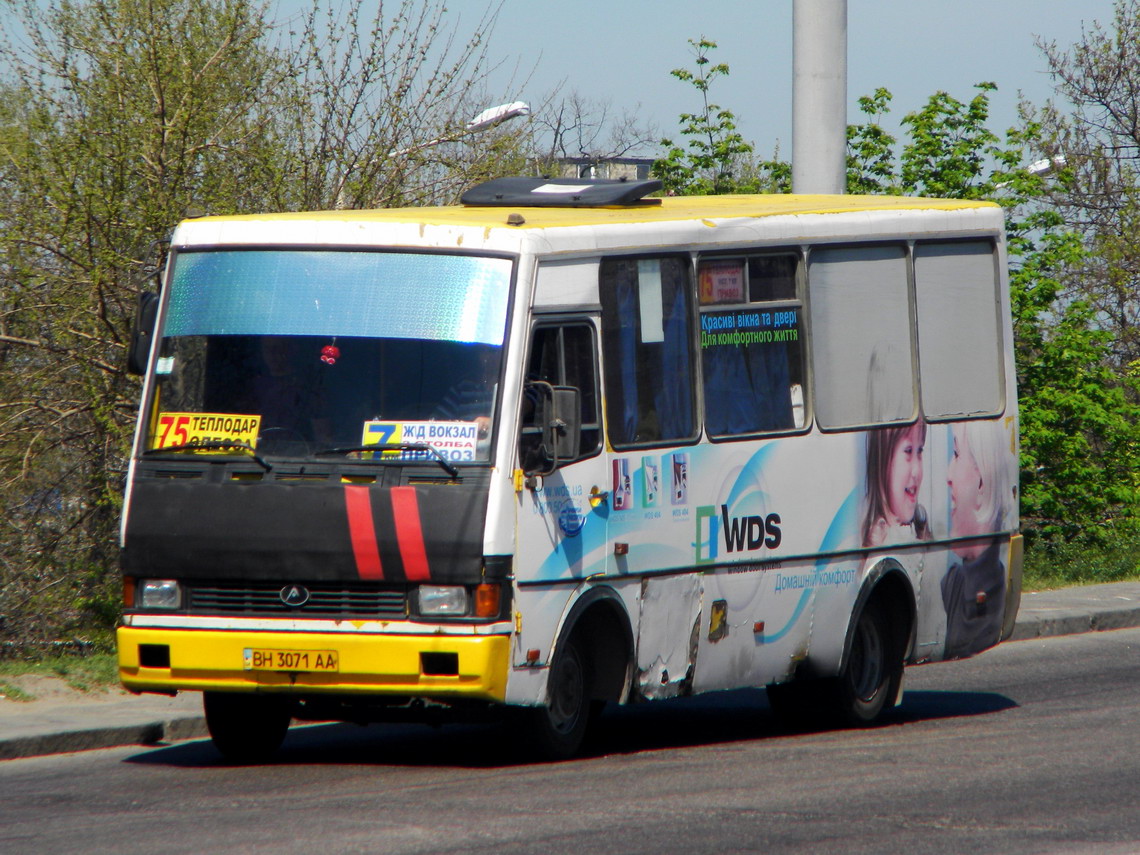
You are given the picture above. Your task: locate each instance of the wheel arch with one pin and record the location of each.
(600, 622)
(888, 585)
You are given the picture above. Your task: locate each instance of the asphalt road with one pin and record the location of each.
(1030, 748)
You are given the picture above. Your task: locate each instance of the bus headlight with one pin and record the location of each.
(158, 594)
(442, 600)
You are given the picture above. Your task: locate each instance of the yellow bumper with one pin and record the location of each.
(368, 664)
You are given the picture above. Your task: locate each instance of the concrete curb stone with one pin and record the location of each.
(91, 738)
(1066, 611)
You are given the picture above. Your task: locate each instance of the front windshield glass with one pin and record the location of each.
(302, 352)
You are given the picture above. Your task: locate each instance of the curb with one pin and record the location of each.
(64, 742)
(1075, 622)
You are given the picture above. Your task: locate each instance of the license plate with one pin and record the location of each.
(256, 659)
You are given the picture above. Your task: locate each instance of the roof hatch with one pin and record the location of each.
(561, 193)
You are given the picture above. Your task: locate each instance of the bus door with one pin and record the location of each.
(563, 509)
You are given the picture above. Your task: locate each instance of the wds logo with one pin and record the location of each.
(716, 528)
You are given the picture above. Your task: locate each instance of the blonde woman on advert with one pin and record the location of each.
(981, 496)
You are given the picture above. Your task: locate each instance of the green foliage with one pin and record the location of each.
(120, 115)
(1079, 419)
(1093, 125)
(714, 158)
(870, 149)
(1079, 315)
(1058, 564)
(950, 149)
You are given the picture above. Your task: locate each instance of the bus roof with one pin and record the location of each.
(679, 208)
(552, 228)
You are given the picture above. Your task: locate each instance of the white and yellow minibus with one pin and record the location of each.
(565, 444)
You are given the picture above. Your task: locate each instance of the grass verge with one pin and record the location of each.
(13, 692)
(95, 672)
(1115, 559)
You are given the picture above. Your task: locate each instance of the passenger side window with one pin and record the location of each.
(959, 340)
(647, 340)
(752, 345)
(862, 350)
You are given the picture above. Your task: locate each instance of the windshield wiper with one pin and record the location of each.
(213, 445)
(447, 465)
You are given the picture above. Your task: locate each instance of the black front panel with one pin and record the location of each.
(281, 528)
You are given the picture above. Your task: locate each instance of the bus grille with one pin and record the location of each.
(324, 600)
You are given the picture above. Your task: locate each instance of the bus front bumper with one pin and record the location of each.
(434, 666)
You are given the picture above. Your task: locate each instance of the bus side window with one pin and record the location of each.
(562, 355)
(752, 345)
(959, 338)
(862, 344)
(647, 336)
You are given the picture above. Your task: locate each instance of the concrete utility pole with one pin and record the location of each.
(819, 96)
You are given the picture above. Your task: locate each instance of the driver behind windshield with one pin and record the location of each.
(286, 396)
(472, 398)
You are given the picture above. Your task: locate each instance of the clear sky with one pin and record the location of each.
(622, 51)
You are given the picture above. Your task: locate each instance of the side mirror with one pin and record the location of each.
(561, 433)
(558, 411)
(142, 333)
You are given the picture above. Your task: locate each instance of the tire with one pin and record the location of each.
(246, 728)
(557, 730)
(873, 671)
(868, 684)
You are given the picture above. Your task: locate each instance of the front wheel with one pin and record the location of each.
(557, 731)
(246, 728)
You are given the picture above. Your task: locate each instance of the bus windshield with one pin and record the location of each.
(300, 352)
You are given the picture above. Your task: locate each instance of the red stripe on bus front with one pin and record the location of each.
(362, 532)
(410, 533)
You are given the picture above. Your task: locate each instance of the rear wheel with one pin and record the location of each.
(246, 728)
(873, 671)
(869, 682)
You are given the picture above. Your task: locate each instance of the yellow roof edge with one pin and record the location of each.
(670, 208)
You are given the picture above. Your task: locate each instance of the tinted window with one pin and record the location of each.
(752, 340)
(646, 329)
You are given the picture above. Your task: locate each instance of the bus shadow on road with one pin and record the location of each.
(707, 720)
(928, 705)
(745, 715)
